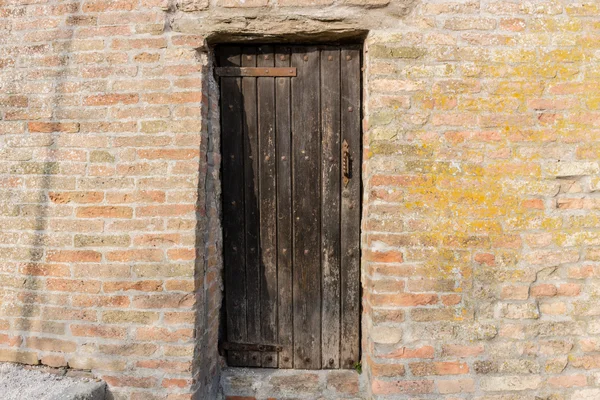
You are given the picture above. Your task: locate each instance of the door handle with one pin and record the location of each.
(346, 162)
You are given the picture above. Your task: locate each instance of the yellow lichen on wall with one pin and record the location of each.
(481, 171)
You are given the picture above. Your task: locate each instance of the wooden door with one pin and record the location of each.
(291, 148)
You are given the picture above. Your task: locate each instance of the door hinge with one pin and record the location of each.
(256, 71)
(263, 348)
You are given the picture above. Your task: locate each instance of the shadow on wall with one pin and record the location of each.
(211, 325)
(208, 264)
(211, 322)
(40, 171)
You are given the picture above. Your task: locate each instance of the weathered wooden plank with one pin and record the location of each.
(233, 206)
(330, 205)
(284, 211)
(250, 71)
(306, 150)
(251, 178)
(268, 204)
(350, 222)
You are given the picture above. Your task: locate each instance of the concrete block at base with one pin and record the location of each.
(83, 391)
(19, 382)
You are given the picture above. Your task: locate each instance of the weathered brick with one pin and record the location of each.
(141, 255)
(438, 368)
(462, 350)
(43, 127)
(80, 362)
(163, 334)
(132, 317)
(98, 331)
(567, 381)
(404, 299)
(19, 356)
(104, 212)
(510, 383)
(132, 349)
(402, 387)
(130, 381)
(421, 352)
(48, 344)
(73, 285)
(300, 382)
(144, 286)
(73, 256)
(110, 99)
(76, 197)
(99, 241)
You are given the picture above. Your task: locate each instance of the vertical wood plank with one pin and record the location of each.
(330, 205)
(350, 223)
(252, 217)
(267, 204)
(284, 211)
(233, 205)
(306, 150)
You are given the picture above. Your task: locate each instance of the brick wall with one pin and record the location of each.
(100, 165)
(481, 245)
(481, 240)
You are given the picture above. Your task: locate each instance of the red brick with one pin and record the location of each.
(108, 5)
(171, 210)
(543, 290)
(485, 258)
(168, 366)
(164, 300)
(533, 203)
(48, 344)
(76, 197)
(110, 99)
(176, 383)
(569, 289)
(104, 212)
(110, 332)
(11, 341)
(100, 301)
(403, 299)
(35, 269)
(130, 381)
(439, 368)
(420, 352)
(73, 256)
(73, 285)
(451, 299)
(461, 350)
(156, 334)
(384, 257)
(141, 255)
(55, 361)
(172, 98)
(48, 127)
(144, 286)
(168, 154)
(391, 370)
(402, 387)
(567, 381)
(181, 254)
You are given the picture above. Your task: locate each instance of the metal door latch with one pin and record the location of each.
(346, 162)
